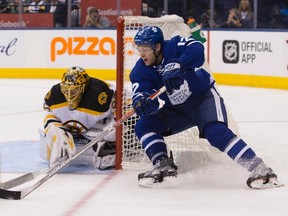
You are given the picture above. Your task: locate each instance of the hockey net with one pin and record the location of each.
(129, 154)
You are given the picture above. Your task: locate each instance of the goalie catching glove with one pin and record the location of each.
(173, 76)
(59, 143)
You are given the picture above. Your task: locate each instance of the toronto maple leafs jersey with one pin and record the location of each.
(96, 106)
(187, 51)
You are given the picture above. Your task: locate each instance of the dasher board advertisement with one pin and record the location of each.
(245, 52)
(58, 49)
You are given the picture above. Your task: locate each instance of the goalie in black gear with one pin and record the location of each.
(77, 110)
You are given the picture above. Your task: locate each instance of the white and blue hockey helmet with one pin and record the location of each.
(149, 35)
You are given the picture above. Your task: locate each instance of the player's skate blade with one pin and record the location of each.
(164, 177)
(146, 182)
(264, 182)
(162, 171)
(150, 182)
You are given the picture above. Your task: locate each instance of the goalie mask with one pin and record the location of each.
(74, 83)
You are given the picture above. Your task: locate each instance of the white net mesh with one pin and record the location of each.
(183, 145)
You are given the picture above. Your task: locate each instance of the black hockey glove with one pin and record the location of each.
(173, 76)
(144, 106)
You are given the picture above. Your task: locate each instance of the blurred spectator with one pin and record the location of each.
(147, 10)
(245, 14)
(14, 6)
(205, 21)
(197, 8)
(50, 6)
(155, 7)
(241, 17)
(4, 7)
(37, 6)
(272, 14)
(279, 16)
(233, 21)
(177, 7)
(60, 14)
(75, 13)
(94, 19)
(59, 8)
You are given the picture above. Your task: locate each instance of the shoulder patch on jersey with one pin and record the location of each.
(54, 96)
(48, 95)
(102, 98)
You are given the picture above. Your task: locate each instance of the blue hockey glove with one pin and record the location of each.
(144, 106)
(173, 76)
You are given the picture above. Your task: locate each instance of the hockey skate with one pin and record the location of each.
(163, 170)
(263, 177)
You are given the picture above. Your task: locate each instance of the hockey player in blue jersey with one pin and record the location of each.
(191, 99)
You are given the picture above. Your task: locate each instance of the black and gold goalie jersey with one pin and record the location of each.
(97, 104)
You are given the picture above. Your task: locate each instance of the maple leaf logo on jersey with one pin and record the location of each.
(102, 98)
(180, 95)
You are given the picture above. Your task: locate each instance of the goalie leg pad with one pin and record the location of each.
(59, 143)
(43, 146)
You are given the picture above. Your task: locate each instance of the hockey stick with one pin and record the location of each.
(31, 176)
(20, 194)
(22, 179)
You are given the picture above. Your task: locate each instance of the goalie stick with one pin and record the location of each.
(49, 172)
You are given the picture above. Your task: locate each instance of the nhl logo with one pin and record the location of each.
(230, 51)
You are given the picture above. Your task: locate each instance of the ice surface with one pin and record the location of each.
(214, 189)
